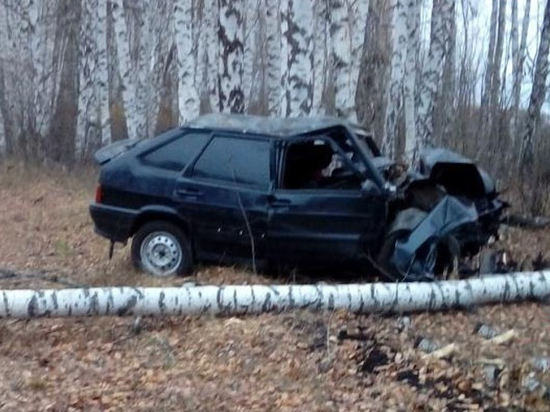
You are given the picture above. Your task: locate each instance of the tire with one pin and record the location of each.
(443, 259)
(386, 253)
(161, 249)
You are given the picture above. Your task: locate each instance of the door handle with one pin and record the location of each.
(276, 202)
(189, 192)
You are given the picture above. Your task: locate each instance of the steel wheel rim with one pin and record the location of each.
(161, 254)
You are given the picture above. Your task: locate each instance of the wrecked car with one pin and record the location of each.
(239, 188)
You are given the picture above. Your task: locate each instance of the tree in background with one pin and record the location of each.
(76, 75)
(297, 58)
(231, 50)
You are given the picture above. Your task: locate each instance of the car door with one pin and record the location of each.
(336, 221)
(224, 191)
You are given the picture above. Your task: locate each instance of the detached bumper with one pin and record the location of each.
(113, 223)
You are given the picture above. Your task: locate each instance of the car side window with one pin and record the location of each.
(177, 153)
(236, 161)
(314, 164)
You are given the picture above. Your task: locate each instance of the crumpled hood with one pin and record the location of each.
(460, 175)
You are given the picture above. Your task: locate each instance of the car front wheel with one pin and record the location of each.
(162, 249)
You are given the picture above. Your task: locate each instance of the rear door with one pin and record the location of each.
(335, 218)
(225, 193)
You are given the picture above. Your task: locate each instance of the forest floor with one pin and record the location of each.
(297, 361)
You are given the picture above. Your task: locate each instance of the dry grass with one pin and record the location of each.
(293, 361)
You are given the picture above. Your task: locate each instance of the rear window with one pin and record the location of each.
(175, 154)
(237, 161)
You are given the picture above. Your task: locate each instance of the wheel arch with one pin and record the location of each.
(166, 214)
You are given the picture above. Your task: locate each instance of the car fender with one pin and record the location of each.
(159, 212)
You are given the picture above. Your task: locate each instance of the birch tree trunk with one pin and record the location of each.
(297, 58)
(251, 299)
(448, 108)
(211, 25)
(495, 78)
(188, 98)
(230, 69)
(2, 136)
(442, 13)
(518, 60)
(398, 30)
(538, 93)
(126, 70)
(412, 143)
(87, 127)
(273, 45)
(321, 58)
(250, 34)
(348, 21)
(102, 72)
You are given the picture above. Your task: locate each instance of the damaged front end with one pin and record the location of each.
(447, 210)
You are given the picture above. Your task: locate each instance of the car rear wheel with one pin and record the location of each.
(162, 249)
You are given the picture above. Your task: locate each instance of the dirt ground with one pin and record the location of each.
(299, 361)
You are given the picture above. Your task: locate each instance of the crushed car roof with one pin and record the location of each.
(270, 126)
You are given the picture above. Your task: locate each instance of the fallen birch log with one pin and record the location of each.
(241, 299)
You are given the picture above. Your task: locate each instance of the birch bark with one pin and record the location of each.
(230, 68)
(321, 57)
(348, 23)
(518, 60)
(538, 93)
(126, 70)
(442, 13)
(273, 45)
(188, 98)
(87, 125)
(211, 25)
(398, 30)
(250, 31)
(297, 58)
(253, 299)
(412, 143)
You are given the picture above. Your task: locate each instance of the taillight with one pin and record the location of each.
(98, 194)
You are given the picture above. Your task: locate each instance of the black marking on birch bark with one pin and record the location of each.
(531, 289)
(457, 297)
(506, 292)
(94, 305)
(6, 304)
(252, 294)
(320, 298)
(162, 305)
(219, 298)
(267, 302)
(127, 308)
(138, 292)
(274, 290)
(41, 293)
(235, 299)
(373, 296)
(290, 297)
(86, 292)
(70, 311)
(444, 302)
(32, 308)
(517, 287)
(330, 302)
(431, 302)
(206, 308)
(361, 304)
(54, 300)
(542, 277)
